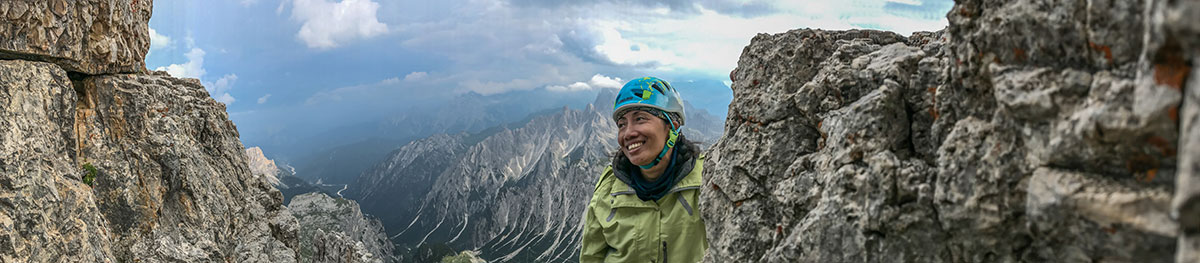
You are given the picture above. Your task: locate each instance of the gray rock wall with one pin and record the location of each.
(46, 213)
(335, 230)
(1026, 131)
(87, 36)
(171, 181)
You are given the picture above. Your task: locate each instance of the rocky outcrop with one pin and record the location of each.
(173, 179)
(1019, 133)
(46, 212)
(335, 230)
(86, 36)
(103, 167)
(261, 166)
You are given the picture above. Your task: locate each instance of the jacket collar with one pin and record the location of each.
(691, 180)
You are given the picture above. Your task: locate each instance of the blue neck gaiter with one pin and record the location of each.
(647, 190)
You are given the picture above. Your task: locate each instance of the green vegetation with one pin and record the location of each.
(89, 175)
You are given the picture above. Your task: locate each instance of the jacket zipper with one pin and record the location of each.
(665, 252)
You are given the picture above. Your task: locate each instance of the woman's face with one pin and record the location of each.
(641, 136)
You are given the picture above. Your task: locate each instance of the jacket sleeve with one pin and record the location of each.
(593, 247)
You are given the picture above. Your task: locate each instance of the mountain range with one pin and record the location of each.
(513, 192)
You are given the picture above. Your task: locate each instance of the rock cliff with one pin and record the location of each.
(103, 162)
(335, 230)
(1057, 131)
(84, 36)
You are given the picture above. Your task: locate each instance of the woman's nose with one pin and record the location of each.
(627, 134)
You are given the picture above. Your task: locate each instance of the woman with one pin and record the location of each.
(644, 207)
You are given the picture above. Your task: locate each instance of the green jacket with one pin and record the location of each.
(619, 227)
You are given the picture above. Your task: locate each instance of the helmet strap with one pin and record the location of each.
(674, 134)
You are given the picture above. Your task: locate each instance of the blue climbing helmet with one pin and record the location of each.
(657, 94)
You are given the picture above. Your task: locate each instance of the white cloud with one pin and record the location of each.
(264, 98)
(577, 86)
(158, 41)
(493, 87)
(194, 68)
(329, 24)
(248, 2)
(222, 87)
(225, 99)
(597, 81)
(619, 50)
(415, 76)
(601, 81)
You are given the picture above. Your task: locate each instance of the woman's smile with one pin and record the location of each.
(640, 135)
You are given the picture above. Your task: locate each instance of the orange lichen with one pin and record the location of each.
(1169, 67)
(933, 108)
(1148, 176)
(1109, 229)
(1139, 164)
(1162, 144)
(737, 204)
(715, 187)
(1019, 54)
(1173, 113)
(1102, 48)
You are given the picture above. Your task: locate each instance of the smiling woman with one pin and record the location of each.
(644, 204)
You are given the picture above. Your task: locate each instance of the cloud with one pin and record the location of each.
(222, 87)
(415, 76)
(328, 24)
(157, 41)
(741, 8)
(193, 68)
(264, 98)
(597, 81)
(248, 2)
(601, 81)
(577, 86)
(497, 46)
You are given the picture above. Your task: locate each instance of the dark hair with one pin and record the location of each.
(686, 150)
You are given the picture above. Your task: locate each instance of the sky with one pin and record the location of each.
(286, 65)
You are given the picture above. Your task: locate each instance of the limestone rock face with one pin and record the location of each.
(171, 182)
(101, 166)
(47, 214)
(335, 230)
(174, 182)
(261, 166)
(86, 36)
(1019, 133)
